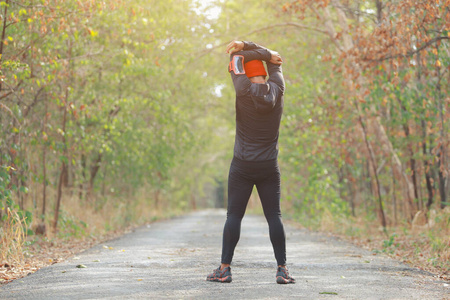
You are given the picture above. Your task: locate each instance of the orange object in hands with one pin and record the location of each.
(254, 68)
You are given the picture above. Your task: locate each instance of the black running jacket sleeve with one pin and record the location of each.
(264, 97)
(275, 72)
(241, 82)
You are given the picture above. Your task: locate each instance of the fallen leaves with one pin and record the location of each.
(328, 293)
(43, 252)
(9, 272)
(81, 266)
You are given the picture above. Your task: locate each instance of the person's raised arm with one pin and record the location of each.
(236, 46)
(239, 57)
(250, 46)
(275, 57)
(265, 96)
(237, 71)
(276, 76)
(273, 65)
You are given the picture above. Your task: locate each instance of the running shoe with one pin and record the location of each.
(283, 276)
(220, 275)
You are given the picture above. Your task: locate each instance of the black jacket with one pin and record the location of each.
(258, 108)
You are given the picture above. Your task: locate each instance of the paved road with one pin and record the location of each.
(170, 260)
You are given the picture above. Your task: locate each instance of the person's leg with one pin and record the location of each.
(239, 190)
(269, 193)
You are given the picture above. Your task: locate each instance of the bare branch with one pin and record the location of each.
(409, 53)
(31, 6)
(6, 95)
(87, 55)
(10, 112)
(329, 24)
(357, 13)
(28, 46)
(12, 23)
(287, 24)
(35, 100)
(11, 90)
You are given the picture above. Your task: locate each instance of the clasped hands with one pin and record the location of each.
(236, 46)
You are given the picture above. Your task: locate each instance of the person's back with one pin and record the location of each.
(258, 115)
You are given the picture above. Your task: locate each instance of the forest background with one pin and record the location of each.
(116, 113)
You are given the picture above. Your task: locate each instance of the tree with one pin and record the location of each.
(368, 38)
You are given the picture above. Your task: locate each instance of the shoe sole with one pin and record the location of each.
(225, 279)
(282, 280)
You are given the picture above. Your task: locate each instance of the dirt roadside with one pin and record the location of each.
(170, 259)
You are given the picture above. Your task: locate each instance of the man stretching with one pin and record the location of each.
(259, 105)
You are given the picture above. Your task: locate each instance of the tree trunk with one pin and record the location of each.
(373, 167)
(412, 161)
(64, 171)
(428, 175)
(367, 185)
(349, 199)
(2, 42)
(105, 171)
(441, 181)
(441, 162)
(157, 199)
(427, 171)
(44, 168)
(44, 184)
(352, 194)
(394, 199)
(379, 5)
(193, 202)
(83, 174)
(58, 197)
(94, 171)
(96, 164)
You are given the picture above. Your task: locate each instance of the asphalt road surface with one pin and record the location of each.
(170, 260)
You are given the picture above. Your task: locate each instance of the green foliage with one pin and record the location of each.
(69, 227)
(6, 201)
(5, 191)
(390, 245)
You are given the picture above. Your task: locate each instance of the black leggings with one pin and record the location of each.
(241, 179)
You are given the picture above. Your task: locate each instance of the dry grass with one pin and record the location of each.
(12, 237)
(424, 246)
